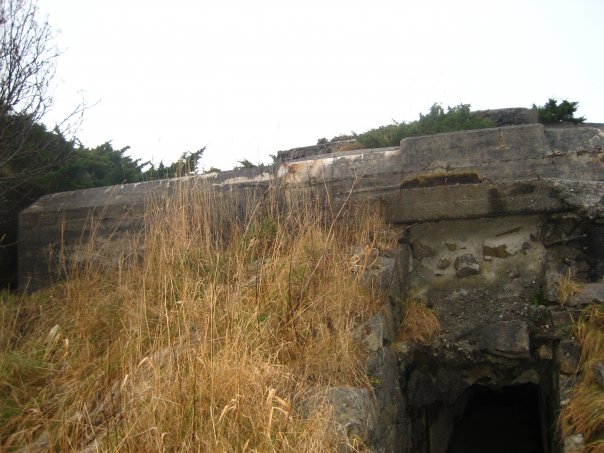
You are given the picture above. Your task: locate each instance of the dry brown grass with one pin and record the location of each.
(420, 323)
(567, 287)
(584, 413)
(211, 343)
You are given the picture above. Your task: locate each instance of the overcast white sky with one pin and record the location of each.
(248, 78)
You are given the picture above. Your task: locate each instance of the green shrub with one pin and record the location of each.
(245, 164)
(458, 118)
(552, 112)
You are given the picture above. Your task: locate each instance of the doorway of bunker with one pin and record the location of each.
(484, 419)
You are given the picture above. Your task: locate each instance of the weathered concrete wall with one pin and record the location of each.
(493, 285)
(445, 176)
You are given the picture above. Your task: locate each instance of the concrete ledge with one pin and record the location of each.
(466, 201)
(472, 148)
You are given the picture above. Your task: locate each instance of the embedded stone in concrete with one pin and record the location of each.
(421, 251)
(466, 265)
(568, 356)
(545, 352)
(451, 246)
(504, 246)
(505, 338)
(443, 263)
(497, 251)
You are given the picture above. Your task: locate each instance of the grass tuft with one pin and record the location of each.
(420, 323)
(567, 287)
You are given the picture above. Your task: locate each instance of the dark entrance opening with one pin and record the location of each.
(501, 420)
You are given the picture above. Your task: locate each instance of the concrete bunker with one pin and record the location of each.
(487, 222)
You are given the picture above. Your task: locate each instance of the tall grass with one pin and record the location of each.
(584, 413)
(239, 313)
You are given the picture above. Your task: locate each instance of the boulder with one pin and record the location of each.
(421, 251)
(552, 277)
(505, 338)
(466, 265)
(590, 293)
(354, 413)
(568, 356)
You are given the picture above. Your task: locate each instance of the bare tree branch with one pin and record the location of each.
(27, 68)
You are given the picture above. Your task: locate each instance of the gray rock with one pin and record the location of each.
(497, 251)
(568, 356)
(378, 276)
(354, 412)
(378, 329)
(382, 368)
(590, 293)
(505, 245)
(586, 197)
(450, 246)
(561, 319)
(550, 289)
(390, 403)
(505, 338)
(421, 251)
(466, 265)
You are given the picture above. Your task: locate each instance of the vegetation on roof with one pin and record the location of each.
(437, 120)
